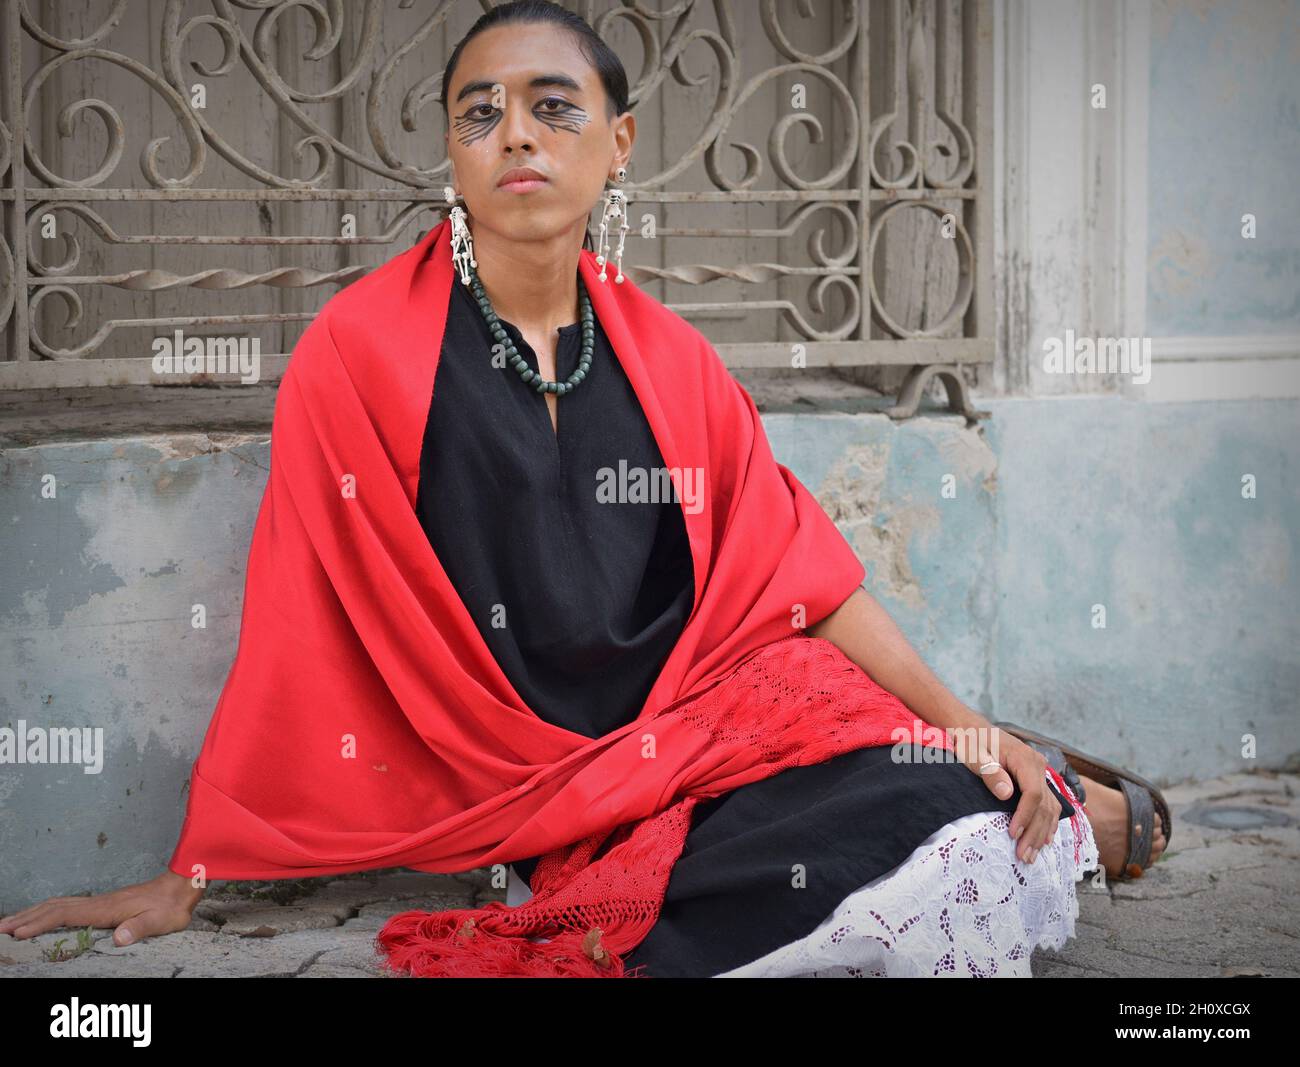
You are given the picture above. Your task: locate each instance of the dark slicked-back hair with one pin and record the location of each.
(603, 58)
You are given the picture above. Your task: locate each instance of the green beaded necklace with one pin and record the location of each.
(512, 353)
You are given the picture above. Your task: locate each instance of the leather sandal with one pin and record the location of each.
(1142, 797)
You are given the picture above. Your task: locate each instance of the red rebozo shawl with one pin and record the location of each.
(364, 722)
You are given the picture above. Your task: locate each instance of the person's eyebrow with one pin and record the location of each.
(562, 81)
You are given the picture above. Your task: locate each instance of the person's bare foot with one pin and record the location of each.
(1108, 813)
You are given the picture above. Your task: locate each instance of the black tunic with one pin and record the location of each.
(593, 593)
(581, 601)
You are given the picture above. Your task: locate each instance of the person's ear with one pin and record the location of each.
(624, 139)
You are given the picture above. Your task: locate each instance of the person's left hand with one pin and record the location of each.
(1000, 760)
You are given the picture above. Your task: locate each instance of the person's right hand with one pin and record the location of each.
(160, 906)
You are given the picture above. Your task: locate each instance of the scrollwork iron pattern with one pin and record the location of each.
(913, 153)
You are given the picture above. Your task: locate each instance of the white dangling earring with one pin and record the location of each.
(616, 206)
(462, 243)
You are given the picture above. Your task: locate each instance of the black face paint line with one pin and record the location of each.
(473, 126)
(570, 117)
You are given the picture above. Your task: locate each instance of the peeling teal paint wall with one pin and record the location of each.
(929, 557)
(97, 591)
(1139, 508)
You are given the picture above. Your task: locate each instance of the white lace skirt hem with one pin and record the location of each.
(962, 905)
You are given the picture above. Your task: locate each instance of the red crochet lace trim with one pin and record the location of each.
(795, 701)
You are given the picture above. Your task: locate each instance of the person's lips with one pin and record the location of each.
(521, 180)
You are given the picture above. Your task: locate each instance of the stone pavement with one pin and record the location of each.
(1222, 901)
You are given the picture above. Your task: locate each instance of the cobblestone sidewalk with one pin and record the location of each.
(1222, 901)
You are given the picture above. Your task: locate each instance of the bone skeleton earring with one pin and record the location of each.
(462, 243)
(615, 208)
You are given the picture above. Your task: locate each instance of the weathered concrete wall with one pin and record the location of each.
(928, 555)
(1052, 506)
(98, 590)
(1140, 509)
(1223, 144)
(1065, 504)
